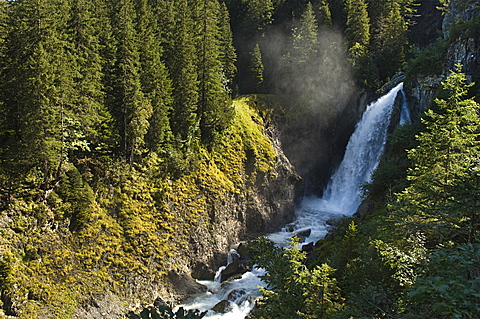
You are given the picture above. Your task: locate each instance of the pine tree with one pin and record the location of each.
(258, 15)
(227, 56)
(389, 40)
(214, 111)
(156, 84)
(305, 38)
(181, 63)
(256, 69)
(357, 30)
(93, 120)
(38, 90)
(131, 109)
(324, 14)
(443, 199)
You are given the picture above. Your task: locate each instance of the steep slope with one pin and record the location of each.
(144, 234)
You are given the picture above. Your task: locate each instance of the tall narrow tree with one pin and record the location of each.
(227, 56)
(182, 66)
(93, 118)
(155, 81)
(255, 71)
(357, 30)
(131, 109)
(213, 109)
(443, 199)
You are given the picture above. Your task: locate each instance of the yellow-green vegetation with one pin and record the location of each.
(105, 227)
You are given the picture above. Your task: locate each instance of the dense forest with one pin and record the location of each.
(125, 124)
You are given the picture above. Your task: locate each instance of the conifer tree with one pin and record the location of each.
(256, 68)
(214, 112)
(182, 67)
(227, 56)
(38, 89)
(390, 39)
(156, 84)
(305, 38)
(90, 109)
(357, 30)
(443, 199)
(131, 109)
(324, 14)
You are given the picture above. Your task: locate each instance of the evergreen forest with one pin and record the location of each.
(127, 125)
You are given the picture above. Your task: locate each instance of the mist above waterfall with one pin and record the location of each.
(316, 93)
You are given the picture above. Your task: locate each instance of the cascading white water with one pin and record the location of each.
(342, 196)
(405, 112)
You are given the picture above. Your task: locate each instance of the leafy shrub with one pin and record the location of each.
(449, 286)
(428, 60)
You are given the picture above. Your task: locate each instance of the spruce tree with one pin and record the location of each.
(444, 197)
(92, 115)
(357, 30)
(227, 54)
(324, 14)
(389, 40)
(131, 109)
(38, 90)
(181, 63)
(255, 71)
(305, 38)
(214, 111)
(156, 84)
(258, 15)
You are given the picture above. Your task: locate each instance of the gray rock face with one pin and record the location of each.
(421, 92)
(464, 50)
(459, 10)
(265, 207)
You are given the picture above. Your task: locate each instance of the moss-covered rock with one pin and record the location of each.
(111, 235)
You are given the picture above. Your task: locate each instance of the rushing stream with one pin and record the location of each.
(341, 197)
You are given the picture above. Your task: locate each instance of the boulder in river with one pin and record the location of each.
(237, 267)
(223, 306)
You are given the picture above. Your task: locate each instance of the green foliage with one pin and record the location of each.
(293, 290)
(256, 70)
(449, 286)
(445, 159)
(358, 23)
(426, 61)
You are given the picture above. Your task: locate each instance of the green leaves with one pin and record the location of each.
(443, 175)
(449, 286)
(293, 290)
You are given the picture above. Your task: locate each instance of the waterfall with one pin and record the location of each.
(362, 155)
(405, 112)
(342, 197)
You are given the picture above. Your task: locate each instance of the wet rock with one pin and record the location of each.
(236, 295)
(184, 285)
(290, 227)
(304, 233)
(159, 302)
(308, 247)
(237, 267)
(242, 250)
(223, 306)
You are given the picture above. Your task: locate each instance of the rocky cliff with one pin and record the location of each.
(458, 26)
